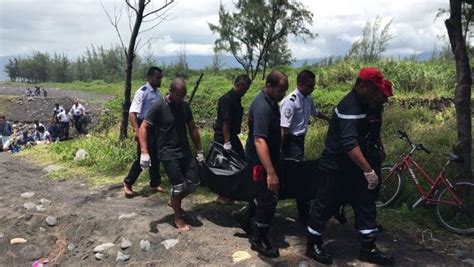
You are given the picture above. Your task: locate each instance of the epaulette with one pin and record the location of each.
(293, 98)
(143, 88)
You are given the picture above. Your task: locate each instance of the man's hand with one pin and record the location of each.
(372, 179)
(227, 146)
(200, 156)
(273, 182)
(145, 161)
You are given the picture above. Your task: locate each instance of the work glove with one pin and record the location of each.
(227, 146)
(200, 156)
(145, 161)
(372, 179)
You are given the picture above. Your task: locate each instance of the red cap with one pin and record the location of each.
(374, 75)
(387, 88)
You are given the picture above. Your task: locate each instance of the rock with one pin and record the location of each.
(51, 221)
(102, 247)
(45, 201)
(169, 243)
(18, 240)
(303, 264)
(71, 247)
(81, 154)
(27, 195)
(145, 245)
(29, 205)
(125, 244)
(99, 256)
(2, 235)
(52, 168)
(470, 261)
(239, 256)
(40, 208)
(126, 215)
(122, 257)
(31, 252)
(42, 229)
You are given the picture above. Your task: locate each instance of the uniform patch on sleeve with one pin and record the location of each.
(288, 112)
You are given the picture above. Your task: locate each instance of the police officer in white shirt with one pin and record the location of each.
(77, 112)
(296, 110)
(57, 108)
(144, 98)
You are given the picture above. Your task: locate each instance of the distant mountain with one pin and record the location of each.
(3, 63)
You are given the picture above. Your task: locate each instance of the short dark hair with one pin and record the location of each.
(274, 78)
(305, 75)
(242, 79)
(2, 116)
(153, 69)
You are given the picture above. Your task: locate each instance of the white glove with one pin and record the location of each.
(372, 179)
(227, 146)
(200, 156)
(145, 161)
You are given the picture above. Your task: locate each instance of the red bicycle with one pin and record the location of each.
(454, 204)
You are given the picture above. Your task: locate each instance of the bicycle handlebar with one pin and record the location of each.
(404, 136)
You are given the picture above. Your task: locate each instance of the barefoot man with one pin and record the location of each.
(170, 116)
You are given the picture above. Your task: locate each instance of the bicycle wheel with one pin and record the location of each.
(459, 220)
(390, 188)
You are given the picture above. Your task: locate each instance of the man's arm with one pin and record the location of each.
(264, 156)
(142, 136)
(323, 116)
(283, 133)
(194, 133)
(134, 122)
(226, 131)
(358, 158)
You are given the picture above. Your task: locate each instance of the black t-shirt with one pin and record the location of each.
(170, 122)
(348, 128)
(229, 108)
(263, 121)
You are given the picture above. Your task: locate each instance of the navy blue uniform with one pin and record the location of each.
(340, 176)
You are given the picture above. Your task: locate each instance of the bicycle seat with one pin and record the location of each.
(454, 158)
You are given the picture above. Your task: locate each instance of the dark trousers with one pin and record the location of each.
(64, 130)
(262, 207)
(293, 148)
(348, 185)
(154, 170)
(77, 122)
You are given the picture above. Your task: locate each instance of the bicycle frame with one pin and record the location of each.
(426, 195)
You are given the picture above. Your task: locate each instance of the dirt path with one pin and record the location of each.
(88, 217)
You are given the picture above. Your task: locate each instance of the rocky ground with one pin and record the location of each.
(67, 223)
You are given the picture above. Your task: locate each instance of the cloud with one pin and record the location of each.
(70, 26)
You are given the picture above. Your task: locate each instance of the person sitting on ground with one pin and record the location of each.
(28, 92)
(41, 135)
(25, 139)
(54, 131)
(37, 124)
(37, 90)
(45, 94)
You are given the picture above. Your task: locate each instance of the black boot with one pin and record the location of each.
(370, 253)
(242, 216)
(314, 249)
(259, 242)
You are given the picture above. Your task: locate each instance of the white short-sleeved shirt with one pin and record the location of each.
(143, 100)
(63, 116)
(77, 110)
(296, 110)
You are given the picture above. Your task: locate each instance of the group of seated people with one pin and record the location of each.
(37, 92)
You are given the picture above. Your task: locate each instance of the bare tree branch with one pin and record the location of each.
(167, 3)
(114, 23)
(130, 6)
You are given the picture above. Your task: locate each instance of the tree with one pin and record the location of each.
(136, 15)
(373, 43)
(462, 98)
(249, 32)
(278, 54)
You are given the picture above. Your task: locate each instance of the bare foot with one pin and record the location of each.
(158, 189)
(127, 190)
(181, 225)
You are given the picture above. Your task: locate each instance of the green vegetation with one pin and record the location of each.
(414, 82)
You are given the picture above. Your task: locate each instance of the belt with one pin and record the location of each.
(297, 137)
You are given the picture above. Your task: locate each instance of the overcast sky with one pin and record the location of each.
(70, 26)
